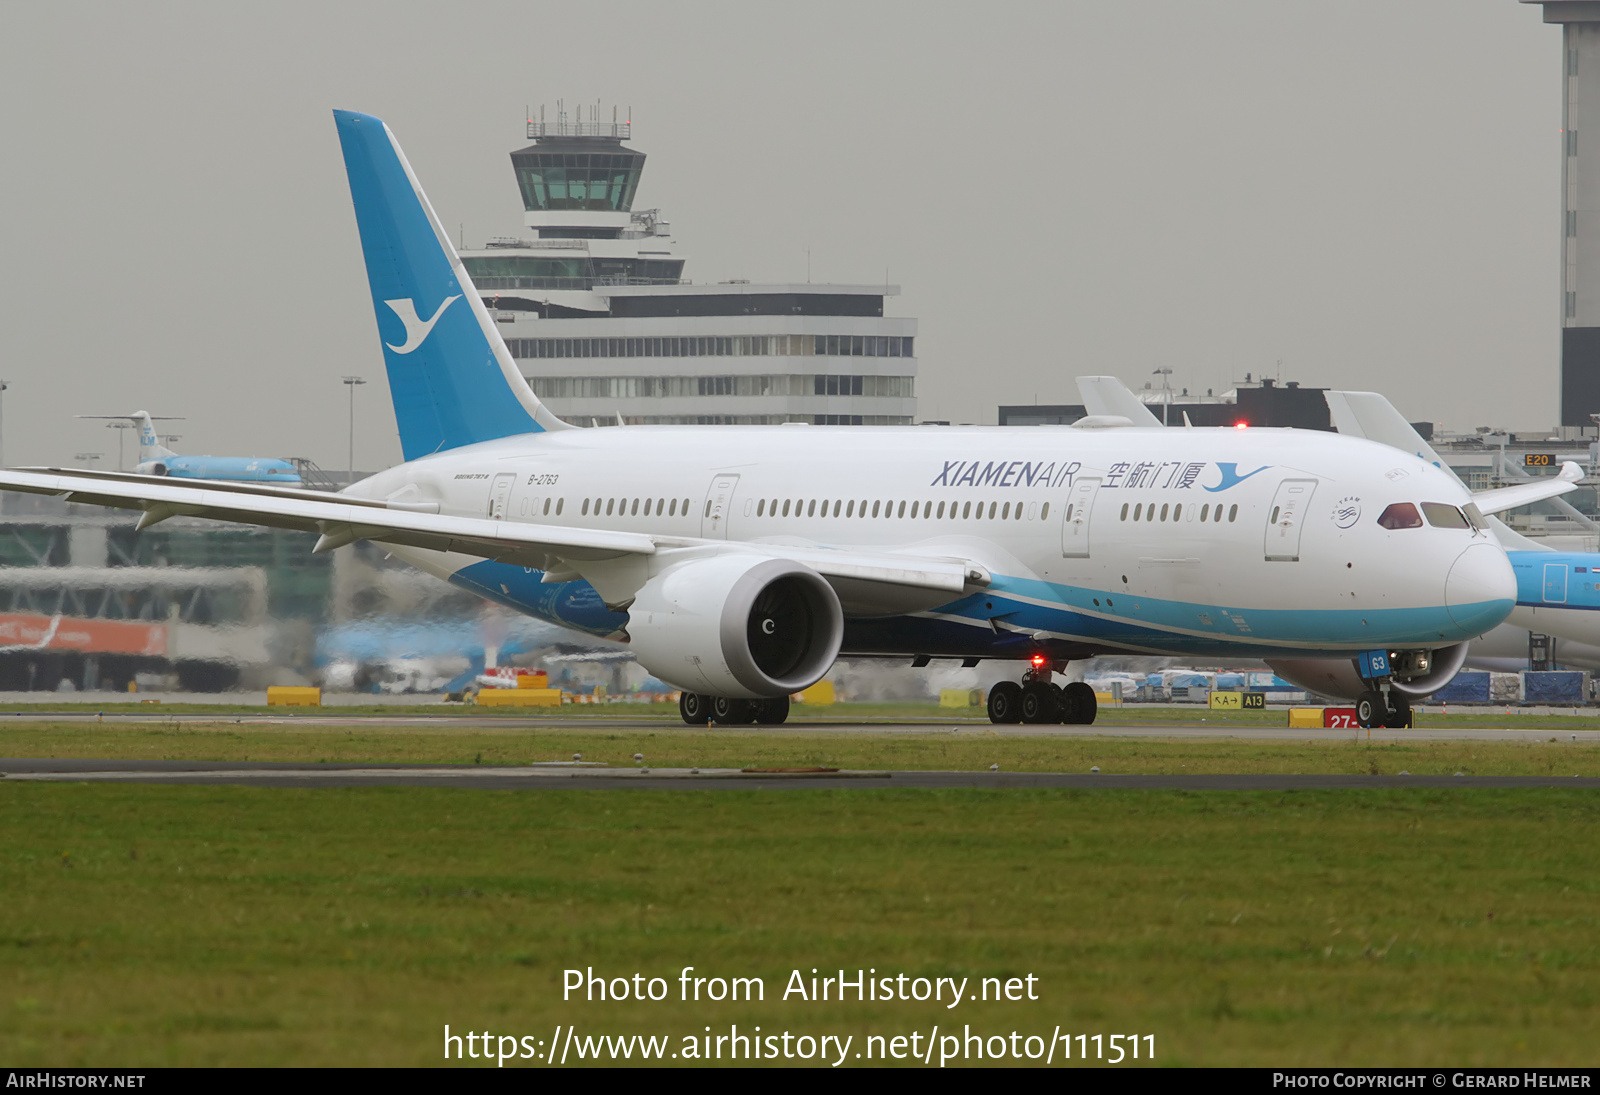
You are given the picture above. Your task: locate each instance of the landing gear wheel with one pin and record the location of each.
(726, 712)
(1005, 702)
(1400, 712)
(1039, 703)
(1079, 705)
(694, 708)
(1370, 709)
(772, 712)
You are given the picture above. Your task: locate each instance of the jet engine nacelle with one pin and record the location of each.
(1417, 672)
(737, 625)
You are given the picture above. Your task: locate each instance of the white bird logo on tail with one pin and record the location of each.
(417, 328)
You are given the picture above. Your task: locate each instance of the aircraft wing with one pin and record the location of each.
(1537, 490)
(1371, 415)
(866, 580)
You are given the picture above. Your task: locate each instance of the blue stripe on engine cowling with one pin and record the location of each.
(450, 390)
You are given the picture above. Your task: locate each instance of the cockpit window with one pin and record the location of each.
(1400, 515)
(1440, 515)
(1475, 515)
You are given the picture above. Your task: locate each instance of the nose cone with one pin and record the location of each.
(1481, 589)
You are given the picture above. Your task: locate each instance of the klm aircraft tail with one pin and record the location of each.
(150, 446)
(451, 378)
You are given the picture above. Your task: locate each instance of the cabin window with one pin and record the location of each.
(966, 510)
(811, 509)
(686, 507)
(786, 507)
(1205, 512)
(940, 514)
(1005, 512)
(761, 508)
(875, 506)
(850, 510)
(560, 505)
(635, 511)
(611, 504)
(1440, 515)
(672, 508)
(1124, 510)
(1138, 510)
(1068, 515)
(1400, 515)
(902, 510)
(1044, 512)
(1150, 514)
(1163, 511)
(914, 510)
(1274, 518)
(585, 510)
(1017, 513)
(1233, 511)
(1177, 510)
(836, 505)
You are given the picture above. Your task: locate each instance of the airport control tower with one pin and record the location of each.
(593, 304)
(1580, 206)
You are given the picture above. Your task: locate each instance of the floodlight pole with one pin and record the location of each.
(350, 464)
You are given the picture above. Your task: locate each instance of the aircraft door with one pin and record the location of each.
(500, 493)
(1285, 519)
(1075, 518)
(1555, 583)
(718, 508)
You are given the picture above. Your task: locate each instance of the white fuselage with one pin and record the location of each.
(1202, 541)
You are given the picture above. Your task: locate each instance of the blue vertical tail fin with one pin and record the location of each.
(451, 377)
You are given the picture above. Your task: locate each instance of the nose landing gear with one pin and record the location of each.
(1380, 704)
(1036, 700)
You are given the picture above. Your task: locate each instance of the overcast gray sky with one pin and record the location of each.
(1365, 191)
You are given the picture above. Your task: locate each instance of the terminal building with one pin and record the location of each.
(593, 304)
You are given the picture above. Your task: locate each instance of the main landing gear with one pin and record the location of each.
(698, 709)
(1036, 700)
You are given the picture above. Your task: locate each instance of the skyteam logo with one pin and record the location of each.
(1231, 476)
(1347, 511)
(417, 329)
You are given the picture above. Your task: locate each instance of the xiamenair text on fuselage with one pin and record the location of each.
(739, 562)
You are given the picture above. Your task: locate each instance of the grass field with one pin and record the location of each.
(224, 925)
(969, 748)
(145, 925)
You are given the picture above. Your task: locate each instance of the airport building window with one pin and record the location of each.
(712, 346)
(779, 384)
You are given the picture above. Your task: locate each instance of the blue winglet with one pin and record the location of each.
(451, 378)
